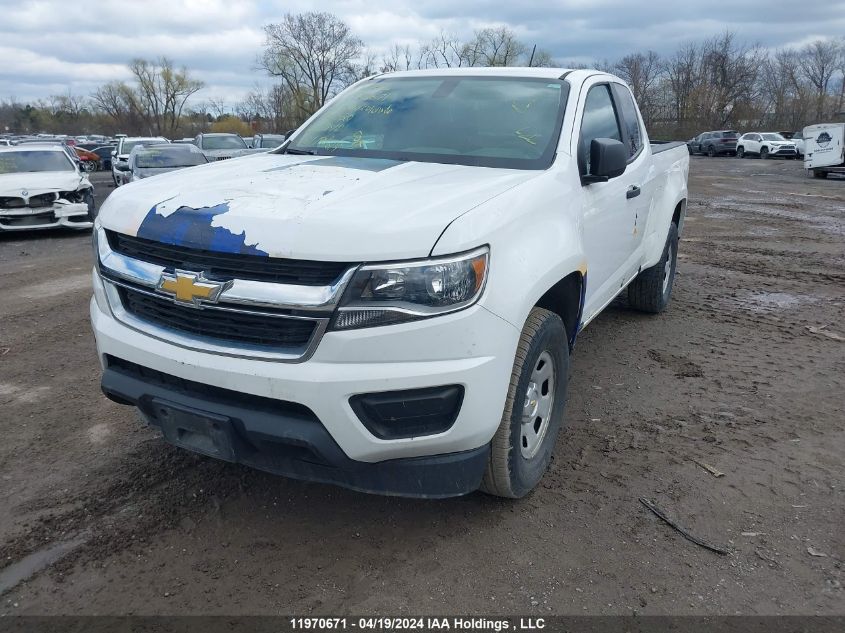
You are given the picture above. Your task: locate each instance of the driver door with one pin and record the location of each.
(607, 227)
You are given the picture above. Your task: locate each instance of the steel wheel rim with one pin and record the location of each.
(667, 269)
(537, 407)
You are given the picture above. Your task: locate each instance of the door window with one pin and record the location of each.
(630, 120)
(599, 121)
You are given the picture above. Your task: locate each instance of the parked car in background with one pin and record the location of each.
(797, 138)
(219, 145)
(42, 187)
(120, 157)
(89, 161)
(104, 152)
(267, 141)
(765, 145)
(45, 142)
(146, 161)
(825, 149)
(394, 317)
(714, 143)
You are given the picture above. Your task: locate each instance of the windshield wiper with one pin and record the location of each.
(303, 152)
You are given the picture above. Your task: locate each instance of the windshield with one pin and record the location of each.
(165, 158)
(128, 145)
(773, 137)
(271, 141)
(484, 121)
(223, 142)
(34, 160)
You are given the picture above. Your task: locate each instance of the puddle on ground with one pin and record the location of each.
(772, 301)
(35, 562)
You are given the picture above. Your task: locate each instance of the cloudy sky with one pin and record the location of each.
(50, 47)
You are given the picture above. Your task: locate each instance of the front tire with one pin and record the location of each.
(652, 288)
(522, 447)
(818, 173)
(764, 153)
(92, 205)
(711, 152)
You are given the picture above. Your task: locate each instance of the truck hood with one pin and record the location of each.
(306, 207)
(39, 182)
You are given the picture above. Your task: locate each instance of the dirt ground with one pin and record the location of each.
(111, 520)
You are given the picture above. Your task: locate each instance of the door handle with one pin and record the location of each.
(633, 192)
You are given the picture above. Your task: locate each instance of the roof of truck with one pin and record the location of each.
(509, 71)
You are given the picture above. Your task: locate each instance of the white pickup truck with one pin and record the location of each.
(388, 301)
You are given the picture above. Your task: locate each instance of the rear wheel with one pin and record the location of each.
(652, 288)
(522, 447)
(818, 173)
(711, 151)
(764, 153)
(740, 152)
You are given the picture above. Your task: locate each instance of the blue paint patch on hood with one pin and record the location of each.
(192, 228)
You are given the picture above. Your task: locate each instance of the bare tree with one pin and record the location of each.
(642, 72)
(312, 53)
(445, 51)
(118, 101)
(543, 59)
(820, 60)
(494, 47)
(399, 58)
(162, 92)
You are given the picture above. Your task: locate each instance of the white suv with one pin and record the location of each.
(765, 145)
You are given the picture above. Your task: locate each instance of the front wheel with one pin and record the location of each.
(652, 288)
(92, 205)
(818, 173)
(764, 153)
(522, 447)
(711, 151)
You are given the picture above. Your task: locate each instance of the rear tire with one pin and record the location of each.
(818, 173)
(521, 449)
(740, 152)
(711, 152)
(652, 288)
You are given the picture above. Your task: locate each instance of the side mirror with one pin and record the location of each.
(113, 154)
(608, 159)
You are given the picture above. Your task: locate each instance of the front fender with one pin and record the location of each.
(534, 235)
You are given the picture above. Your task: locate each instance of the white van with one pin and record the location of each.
(824, 150)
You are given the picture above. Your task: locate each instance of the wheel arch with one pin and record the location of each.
(566, 299)
(680, 214)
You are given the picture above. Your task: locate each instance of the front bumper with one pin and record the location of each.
(72, 215)
(783, 151)
(281, 438)
(473, 348)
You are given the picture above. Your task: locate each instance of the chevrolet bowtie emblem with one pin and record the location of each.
(188, 287)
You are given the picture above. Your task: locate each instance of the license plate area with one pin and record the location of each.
(195, 430)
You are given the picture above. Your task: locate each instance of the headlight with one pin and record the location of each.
(384, 294)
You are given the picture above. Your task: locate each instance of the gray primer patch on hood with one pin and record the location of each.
(349, 162)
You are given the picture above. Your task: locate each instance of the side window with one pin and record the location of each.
(630, 120)
(599, 121)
